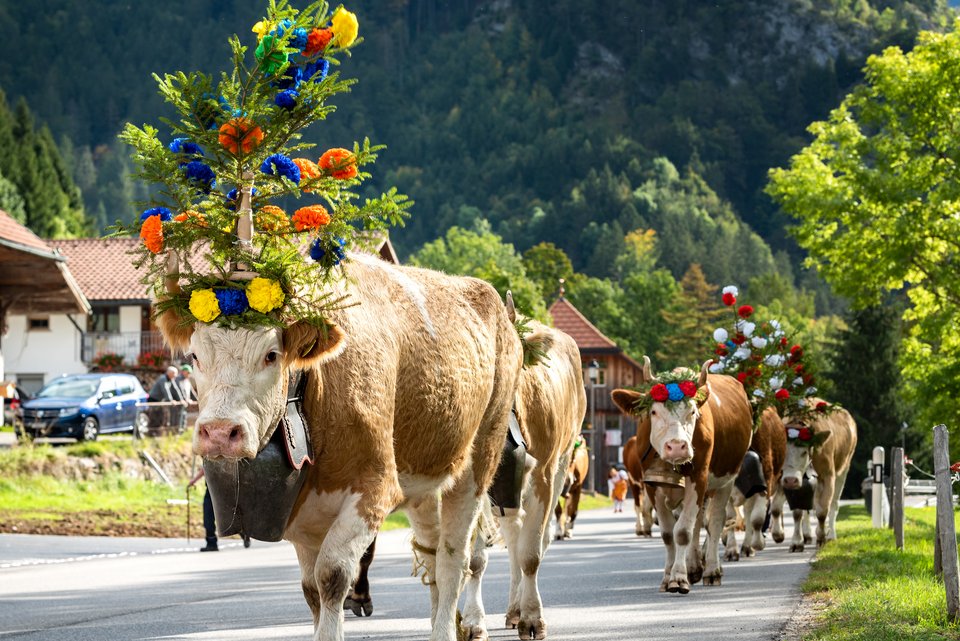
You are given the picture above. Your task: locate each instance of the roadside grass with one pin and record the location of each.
(875, 593)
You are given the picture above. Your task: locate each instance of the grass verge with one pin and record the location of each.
(873, 592)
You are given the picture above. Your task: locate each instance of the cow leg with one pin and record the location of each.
(821, 502)
(835, 505)
(731, 519)
(715, 519)
(644, 509)
(685, 535)
(474, 616)
(696, 550)
(424, 516)
(796, 543)
(776, 514)
(561, 514)
(667, 523)
(358, 600)
(573, 506)
(807, 538)
(308, 583)
(754, 514)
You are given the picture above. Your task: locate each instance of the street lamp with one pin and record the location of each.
(593, 372)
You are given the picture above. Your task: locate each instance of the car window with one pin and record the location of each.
(108, 387)
(69, 388)
(124, 385)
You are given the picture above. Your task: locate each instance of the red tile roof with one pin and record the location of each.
(103, 268)
(14, 232)
(568, 319)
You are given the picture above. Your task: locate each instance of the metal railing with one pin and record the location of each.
(129, 345)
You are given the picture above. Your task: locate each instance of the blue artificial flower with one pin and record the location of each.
(281, 28)
(298, 39)
(318, 251)
(287, 99)
(316, 70)
(291, 78)
(280, 165)
(185, 146)
(676, 394)
(233, 195)
(163, 212)
(231, 301)
(200, 174)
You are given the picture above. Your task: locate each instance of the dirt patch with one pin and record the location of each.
(161, 523)
(805, 617)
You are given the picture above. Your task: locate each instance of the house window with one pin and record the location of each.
(104, 319)
(38, 324)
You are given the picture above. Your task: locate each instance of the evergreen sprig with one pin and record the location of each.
(249, 123)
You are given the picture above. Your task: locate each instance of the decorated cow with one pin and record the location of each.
(549, 408)
(693, 431)
(824, 440)
(642, 505)
(567, 508)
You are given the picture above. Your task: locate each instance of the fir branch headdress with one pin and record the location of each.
(235, 149)
(672, 388)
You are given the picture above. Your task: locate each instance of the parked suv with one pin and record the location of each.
(83, 406)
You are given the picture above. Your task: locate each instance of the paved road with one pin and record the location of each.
(603, 584)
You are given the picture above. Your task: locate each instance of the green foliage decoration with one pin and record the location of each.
(230, 158)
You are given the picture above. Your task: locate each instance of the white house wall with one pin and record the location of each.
(44, 352)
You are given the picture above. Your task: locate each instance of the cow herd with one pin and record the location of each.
(409, 396)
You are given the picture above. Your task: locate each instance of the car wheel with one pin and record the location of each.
(141, 426)
(90, 429)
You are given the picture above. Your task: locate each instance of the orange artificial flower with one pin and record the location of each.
(272, 218)
(151, 231)
(311, 217)
(308, 170)
(193, 216)
(317, 41)
(341, 163)
(240, 133)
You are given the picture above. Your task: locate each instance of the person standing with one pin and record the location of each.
(166, 390)
(617, 487)
(209, 518)
(187, 392)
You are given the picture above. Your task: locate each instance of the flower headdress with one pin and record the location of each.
(764, 359)
(237, 258)
(671, 388)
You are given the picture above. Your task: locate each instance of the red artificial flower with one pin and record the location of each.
(745, 311)
(955, 467)
(317, 41)
(721, 350)
(782, 394)
(311, 217)
(152, 234)
(754, 373)
(783, 341)
(739, 339)
(821, 406)
(805, 434)
(659, 393)
(798, 368)
(689, 388)
(729, 299)
(807, 379)
(742, 377)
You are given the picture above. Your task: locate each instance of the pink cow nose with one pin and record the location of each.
(790, 482)
(219, 438)
(675, 450)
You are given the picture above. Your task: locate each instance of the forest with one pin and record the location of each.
(623, 146)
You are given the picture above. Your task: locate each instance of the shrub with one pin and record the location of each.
(107, 361)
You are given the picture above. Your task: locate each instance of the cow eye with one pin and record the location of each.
(193, 359)
(271, 357)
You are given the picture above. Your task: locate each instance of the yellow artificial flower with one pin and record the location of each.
(264, 294)
(345, 27)
(204, 305)
(262, 28)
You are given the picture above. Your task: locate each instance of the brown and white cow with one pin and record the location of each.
(407, 399)
(642, 505)
(566, 510)
(550, 405)
(706, 444)
(770, 444)
(833, 440)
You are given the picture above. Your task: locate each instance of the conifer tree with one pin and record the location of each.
(692, 316)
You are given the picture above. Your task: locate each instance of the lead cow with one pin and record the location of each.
(704, 437)
(827, 447)
(406, 403)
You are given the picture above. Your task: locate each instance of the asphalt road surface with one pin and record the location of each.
(602, 584)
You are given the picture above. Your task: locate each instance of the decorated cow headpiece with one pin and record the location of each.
(218, 247)
(671, 388)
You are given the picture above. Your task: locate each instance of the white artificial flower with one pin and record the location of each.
(810, 391)
(720, 335)
(747, 328)
(775, 324)
(793, 432)
(742, 353)
(774, 360)
(758, 393)
(802, 402)
(798, 381)
(716, 368)
(731, 289)
(776, 383)
(758, 342)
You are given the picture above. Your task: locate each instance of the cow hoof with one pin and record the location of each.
(807, 539)
(359, 607)
(694, 575)
(532, 630)
(732, 555)
(512, 620)
(568, 534)
(796, 547)
(746, 551)
(664, 586)
(476, 633)
(821, 542)
(712, 580)
(777, 538)
(678, 587)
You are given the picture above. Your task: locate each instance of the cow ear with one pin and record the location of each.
(306, 345)
(175, 329)
(819, 438)
(626, 399)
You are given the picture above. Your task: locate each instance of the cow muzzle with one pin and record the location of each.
(222, 439)
(677, 452)
(791, 482)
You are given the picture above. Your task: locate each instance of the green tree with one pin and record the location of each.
(877, 196)
(483, 254)
(546, 264)
(691, 318)
(11, 201)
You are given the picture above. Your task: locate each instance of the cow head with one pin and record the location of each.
(802, 438)
(672, 423)
(242, 376)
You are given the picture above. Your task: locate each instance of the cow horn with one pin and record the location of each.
(172, 278)
(511, 310)
(704, 370)
(647, 374)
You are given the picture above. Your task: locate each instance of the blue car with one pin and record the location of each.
(82, 406)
